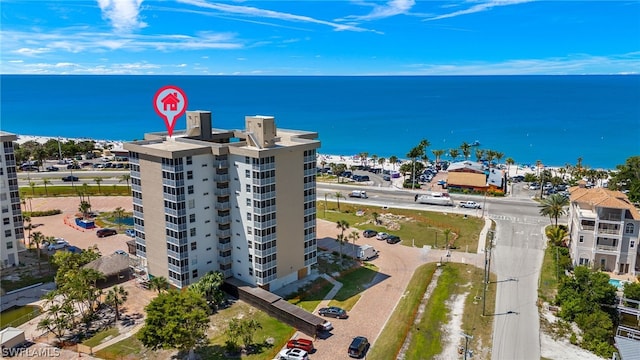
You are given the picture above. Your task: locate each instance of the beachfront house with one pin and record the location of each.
(603, 228)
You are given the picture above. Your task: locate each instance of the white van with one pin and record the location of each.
(358, 194)
(366, 252)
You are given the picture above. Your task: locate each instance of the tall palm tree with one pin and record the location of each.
(393, 160)
(127, 178)
(375, 216)
(119, 213)
(438, 154)
(98, 180)
(554, 207)
(374, 159)
(26, 219)
(466, 149)
(84, 208)
(159, 283)
(32, 185)
(37, 238)
(499, 155)
(46, 182)
(338, 195)
(342, 225)
(354, 236)
(454, 153)
(479, 154)
(510, 162)
(116, 297)
(381, 161)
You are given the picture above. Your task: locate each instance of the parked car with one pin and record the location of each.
(369, 233)
(52, 168)
(386, 178)
(105, 232)
(120, 252)
(130, 232)
(333, 311)
(358, 347)
(59, 244)
(304, 344)
(469, 205)
(382, 236)
(74, 249)
(70, 178)
(325, 326)
(73, 166)
(392, 239)
(293, 354)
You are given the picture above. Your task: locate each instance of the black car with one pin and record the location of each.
(73, 167)
(393, 239)
(334, 311)
(369, 233)
(359, 346)
(52, 168)
(70, 178)
(105, 232)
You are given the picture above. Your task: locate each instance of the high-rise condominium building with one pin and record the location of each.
(239, 201)
(12, 224)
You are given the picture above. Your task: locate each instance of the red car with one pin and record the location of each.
(304, 344)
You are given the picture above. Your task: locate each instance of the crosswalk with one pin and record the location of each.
(523, 220)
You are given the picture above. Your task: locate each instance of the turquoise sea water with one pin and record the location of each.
(554, 119)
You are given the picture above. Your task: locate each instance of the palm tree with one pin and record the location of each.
(393, 160)
(119, 213)
(510, 162)
(46, 182)
(37, 238)
(446, 232)
(26, 219)
(437, 153)
(499, 155)
(84, 208)
(338, 195)
(209, 287)
(98, 180)
(355, 235)
(479, 154)
(381, 162)
(554, 207)
(159, 283)
(116, 297)
(374, 159)
(32, 185)
(342, 225)
(466, 149)
(127, 178)
(454, 153)
(557, 235)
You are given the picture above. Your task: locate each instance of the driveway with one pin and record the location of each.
(396, 264)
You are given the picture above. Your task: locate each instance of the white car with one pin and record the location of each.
(59, 244)
(469, 205)
(382, 236)
(293, 354)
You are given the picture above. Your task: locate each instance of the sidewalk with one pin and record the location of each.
(331, 294)
(118, 338)
(482, 241)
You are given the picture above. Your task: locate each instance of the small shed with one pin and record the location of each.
(114, 266)
(11, 337)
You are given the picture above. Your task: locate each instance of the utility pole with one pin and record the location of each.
(487, 268)
(466, 344)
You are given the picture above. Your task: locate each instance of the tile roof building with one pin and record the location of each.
(239, 201)
(603, 228)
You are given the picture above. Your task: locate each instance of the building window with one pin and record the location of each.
(190, 189)
(6, 221)
(248, 188)
(247, 173)
(192, 231)
(192, 203)
(632, 244)
(581, 238)
(189, 175)
(192, 218)
(7, 233)
(249, 230)
(9, 245)
(194, 245)
(189, 160)
(249, 216)
(628, 228)
(194, 273)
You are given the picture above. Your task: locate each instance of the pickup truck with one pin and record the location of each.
(304, 344)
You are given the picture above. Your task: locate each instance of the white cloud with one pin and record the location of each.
(123, 14)
(32, 51)
(390, 8)
(479, 8)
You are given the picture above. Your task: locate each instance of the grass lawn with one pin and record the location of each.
(129, 348)
(419, 227)
(548, 278)
(97, 339)
(311, 297)
(27, 280)
(353, 284)
(67, 190)
(18, 316)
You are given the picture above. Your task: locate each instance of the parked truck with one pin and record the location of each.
(358, 194)
(366, 252)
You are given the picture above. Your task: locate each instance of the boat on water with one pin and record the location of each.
(435, 198)
(475, 143)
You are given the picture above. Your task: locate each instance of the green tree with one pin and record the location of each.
(354, 236)
(84, 208)
(159, 283)
(57, 318)
(454, 153)
(37, 238)
(393, 160)
(26, 223)
(338, 195)
(632, 291)
(557, 235)
(626, 178)
(127, 178)
(466, 150)
(375, 217)
(116, 297)
(175, 320)
(554, 207)
(248, 328)
(479, 154)
(98, 180)
(210, 287)
(119, 214)
(32, 185)
(417, 152)
(342, 225)
(437, 154)
(46, 182)
(510, 162)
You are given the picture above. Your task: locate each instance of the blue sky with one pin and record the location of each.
(314, 37)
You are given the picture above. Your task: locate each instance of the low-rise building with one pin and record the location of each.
(603, 228)
(473, 176)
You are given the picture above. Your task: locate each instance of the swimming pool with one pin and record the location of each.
(617, 283)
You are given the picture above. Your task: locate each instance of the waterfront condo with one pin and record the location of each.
(604, 227)
(239, 201)
(12, 223)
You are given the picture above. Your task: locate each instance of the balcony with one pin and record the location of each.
(177, 227)
(263, 182)
(264, 167)
(174, 198)
(309, 211)
(263, 267)
(179, 269)
(263, 253)
(265, 196)
(309, 158)
(138, 201)
(223, 219)
(264, 239)
(224, 246)
(310, 198)
(609, 231)
(221, 177)
(264, 210)
(177, 255)
(224, 260)
(172, 168)
(223, 233)
(609, 248)
(174, 241)
(221, 191)
(221, 163)
(172, 183)
(227, 273)
(310, 185)
(181, 212)
(140, 253)
(264, 224)
(310, 172)
(135, 174)
(223, 205)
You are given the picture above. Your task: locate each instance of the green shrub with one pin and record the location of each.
(42, 213)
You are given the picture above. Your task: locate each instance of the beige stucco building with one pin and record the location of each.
(603, 227)
(239, 201)
(12, 223)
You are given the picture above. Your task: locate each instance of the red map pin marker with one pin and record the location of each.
(170, 103)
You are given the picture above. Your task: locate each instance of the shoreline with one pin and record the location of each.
(349, 160)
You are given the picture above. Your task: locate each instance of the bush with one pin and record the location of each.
(42, 213)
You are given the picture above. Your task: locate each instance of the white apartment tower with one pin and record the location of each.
(239, 201)
(12, 223)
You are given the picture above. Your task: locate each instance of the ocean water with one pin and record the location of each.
(554, 119)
